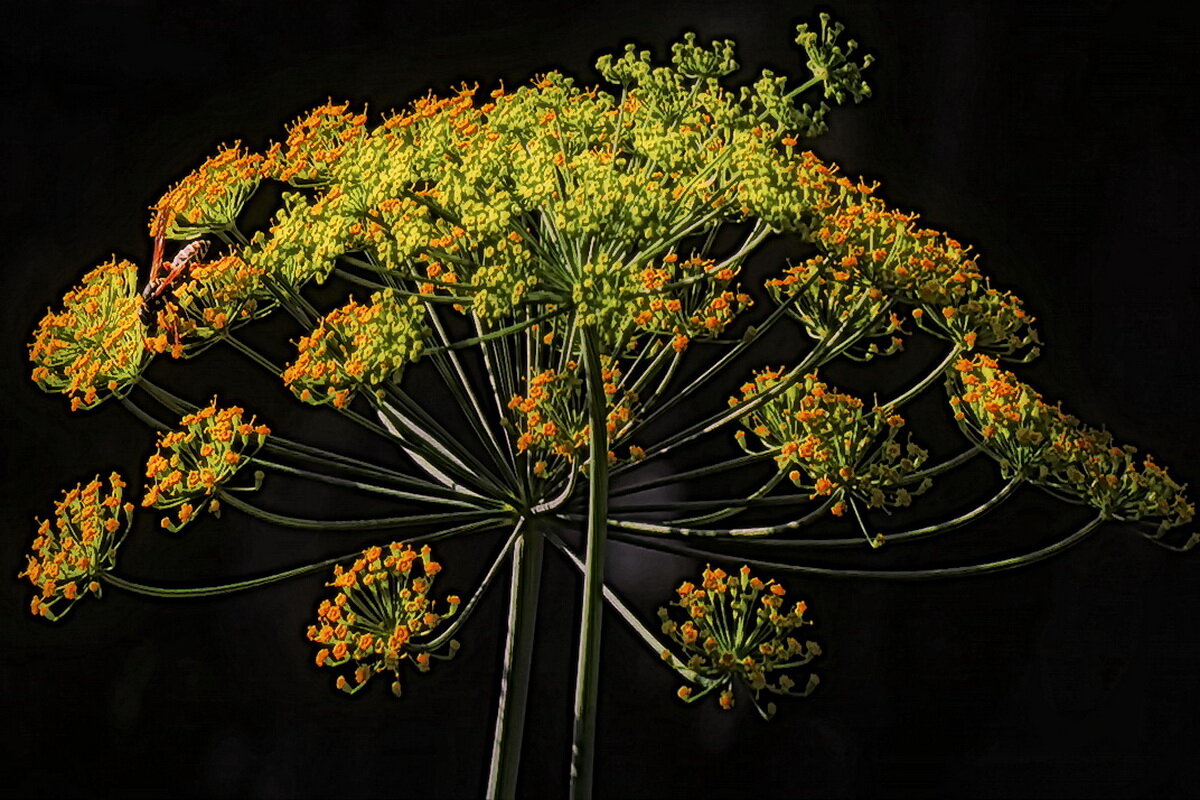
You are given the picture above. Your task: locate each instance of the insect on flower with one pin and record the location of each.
(157, 291)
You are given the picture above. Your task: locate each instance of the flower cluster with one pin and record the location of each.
(1030, 438)
(191, 464)
(830, 63)
(839, 304)
(215, 297)
(93, 348)
(314, 143)
(835, 446)
(859, 234)
(738, 628)
(210, 198)
(303, 240)
(1004, 416)
(381, 615)
(357, 347)
(72, 552)
(551, 416)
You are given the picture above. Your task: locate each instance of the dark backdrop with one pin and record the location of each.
(1056, 137)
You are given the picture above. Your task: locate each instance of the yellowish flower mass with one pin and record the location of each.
(93, 348)
(831, 443)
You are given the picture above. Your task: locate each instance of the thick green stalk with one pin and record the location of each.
(587, 677)
(518, 655)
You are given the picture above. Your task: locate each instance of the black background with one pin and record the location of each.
(1056, 137)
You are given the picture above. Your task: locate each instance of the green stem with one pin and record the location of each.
(655, 644)
(518, 656)
(227, 588)
(699, 472)
(408, 521)
(587, 678)
(365, 487)
(899, 575)
(923, 384)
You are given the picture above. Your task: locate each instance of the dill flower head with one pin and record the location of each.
(357, 347)
(551, 417)
(315, 142)
(1004, 416)
(1088, 464)
(831, 63)
(214, 298)
(93, 348)
(1047, 446)
(831, 299)
(832, 443)
(738, 628)
(71, 551)
(303, 240)
(192, 463)
(210, 198)
(381, 615)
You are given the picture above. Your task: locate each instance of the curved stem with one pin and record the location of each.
(465, 614)
(383, 523)
(365, 487)
(656, 645)
(669, 546)
(715, 533)
(226, 588)
(732, 510)
(786, 545)
(699, 472)
(945, 466)
(923, 384)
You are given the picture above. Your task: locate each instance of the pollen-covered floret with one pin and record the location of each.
(192, 463)
(839, 301)
(94, 348)
(72, 551)
(738, 628)
(215, 297)
(382, 614)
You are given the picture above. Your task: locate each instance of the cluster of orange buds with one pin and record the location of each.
(551, 415)
(837, 300)
(1003, 415)
(1042, 443)
(210, 198)
(215, 297)
(381, 615)
(357, 347)
(315, 142)
(92, 349)
(71, 552)
(738, 628)
(830, 442)
(191, 464)
(857, 231)
(687, 298)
